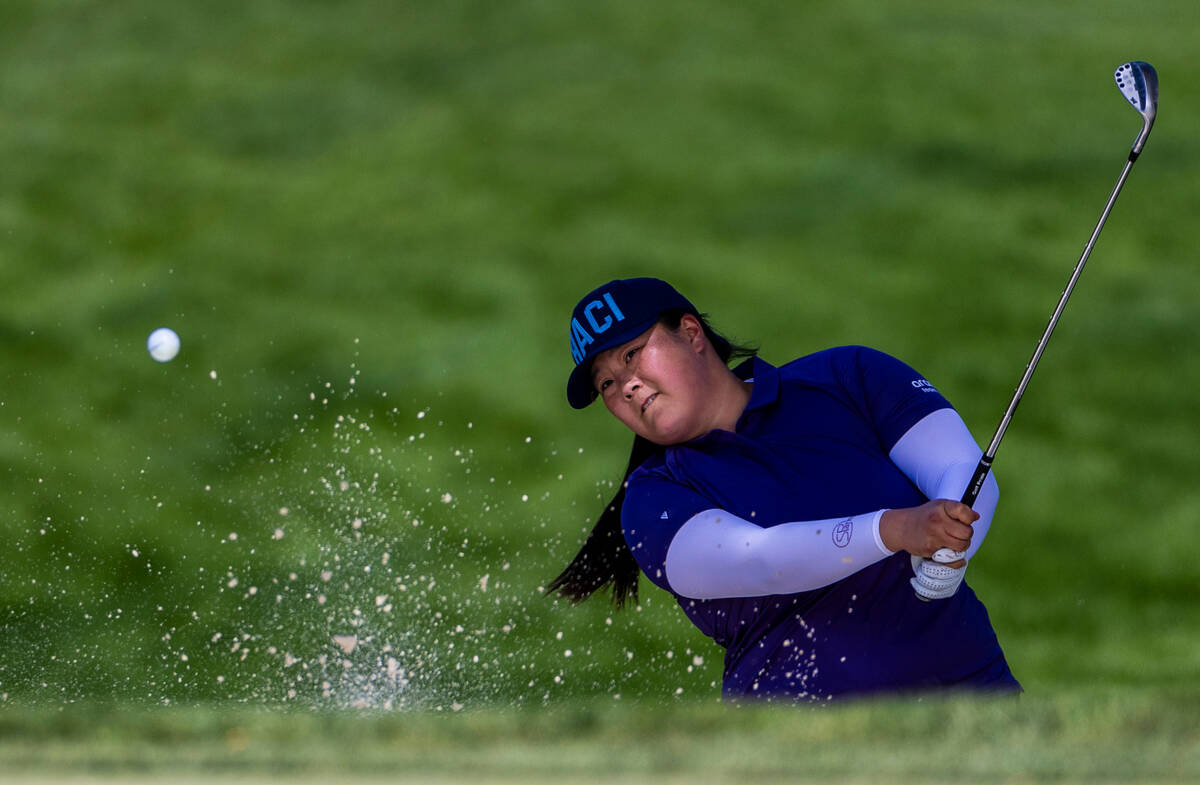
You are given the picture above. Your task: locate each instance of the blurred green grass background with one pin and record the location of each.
(368, 222)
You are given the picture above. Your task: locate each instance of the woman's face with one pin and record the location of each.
(655, 384)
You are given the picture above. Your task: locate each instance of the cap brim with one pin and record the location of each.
(580, 391)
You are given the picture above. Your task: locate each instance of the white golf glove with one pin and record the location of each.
(933, 579)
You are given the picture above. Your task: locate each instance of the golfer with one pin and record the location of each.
(792, 511)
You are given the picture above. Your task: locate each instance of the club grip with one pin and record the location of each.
(977, 480)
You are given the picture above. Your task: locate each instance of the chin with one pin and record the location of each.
(666, 436)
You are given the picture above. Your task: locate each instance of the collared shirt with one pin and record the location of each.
(813, 444)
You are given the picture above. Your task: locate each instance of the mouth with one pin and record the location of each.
(648, 401)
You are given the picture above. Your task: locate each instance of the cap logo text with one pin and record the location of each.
(600, 315)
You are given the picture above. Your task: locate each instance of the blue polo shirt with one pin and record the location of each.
(813, 444)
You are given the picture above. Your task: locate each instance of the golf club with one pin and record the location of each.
(1138, 82)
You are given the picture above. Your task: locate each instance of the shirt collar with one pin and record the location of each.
(766, 391)
(766, 382)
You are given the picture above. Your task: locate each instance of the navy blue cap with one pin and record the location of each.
(609, 316)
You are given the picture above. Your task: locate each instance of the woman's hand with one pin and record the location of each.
(921, 531)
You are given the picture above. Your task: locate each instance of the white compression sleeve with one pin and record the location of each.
(939, 455)
(716, 554)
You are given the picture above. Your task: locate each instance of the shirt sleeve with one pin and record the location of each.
(687, 547)
(655, 508)
(891, 394)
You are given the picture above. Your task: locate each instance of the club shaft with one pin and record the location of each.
(985, 462)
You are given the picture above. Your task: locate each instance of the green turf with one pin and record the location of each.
(1103, 736)
(368, 223)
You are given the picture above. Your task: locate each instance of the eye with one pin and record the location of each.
(604, 385)
(629, 354)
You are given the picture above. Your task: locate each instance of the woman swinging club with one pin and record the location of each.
(800, 515)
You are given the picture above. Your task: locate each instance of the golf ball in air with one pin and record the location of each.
(163, 344)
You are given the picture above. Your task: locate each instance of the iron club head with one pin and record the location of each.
(1138, 82)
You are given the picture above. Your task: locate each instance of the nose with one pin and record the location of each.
(630, 386)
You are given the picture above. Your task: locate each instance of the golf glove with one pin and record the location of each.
(933, 579)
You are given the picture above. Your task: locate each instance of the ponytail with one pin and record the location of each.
(605, 557)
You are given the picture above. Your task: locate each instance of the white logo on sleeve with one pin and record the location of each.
(924, 385)
(664, 516)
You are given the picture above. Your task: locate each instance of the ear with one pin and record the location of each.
(693, 331)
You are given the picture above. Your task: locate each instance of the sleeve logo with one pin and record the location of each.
(842, 533)
(924, 385)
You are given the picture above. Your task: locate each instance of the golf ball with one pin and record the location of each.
(163, 344)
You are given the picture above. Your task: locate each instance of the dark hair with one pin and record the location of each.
(605, 557)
